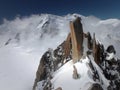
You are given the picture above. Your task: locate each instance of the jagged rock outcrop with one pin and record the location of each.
(77, 39)
(50, 62)
(41, 71)
(47, 85)
(98, 51)
(72, 48)
(89, 40)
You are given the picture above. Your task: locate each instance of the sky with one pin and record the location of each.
(103, 9)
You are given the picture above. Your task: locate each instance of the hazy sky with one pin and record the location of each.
(99, 8)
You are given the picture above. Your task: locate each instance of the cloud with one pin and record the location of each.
(36, 32)
(39, 32)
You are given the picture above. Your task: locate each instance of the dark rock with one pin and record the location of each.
(89, 41)
(8, 41)
(111, 49)
(41, 72)
(96, 86)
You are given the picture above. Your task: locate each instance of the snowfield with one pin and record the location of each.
(24, 40)
(17, 68)
(63, 77)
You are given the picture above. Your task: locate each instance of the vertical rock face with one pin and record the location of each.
(89, 41)
(96, 50)
(77, 39)
(94, 46)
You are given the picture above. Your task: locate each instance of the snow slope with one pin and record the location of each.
(17, 68)
(63, 77)
(24, 40)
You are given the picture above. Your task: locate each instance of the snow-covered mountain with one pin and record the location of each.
(24, 40)
(30, 32)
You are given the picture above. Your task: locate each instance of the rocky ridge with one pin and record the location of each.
(102, 64)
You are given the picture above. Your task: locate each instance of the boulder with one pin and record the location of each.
(111, 49)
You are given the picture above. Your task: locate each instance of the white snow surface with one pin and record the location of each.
(29, 37)
(64, 76)
(110, 56)
(17, 68)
